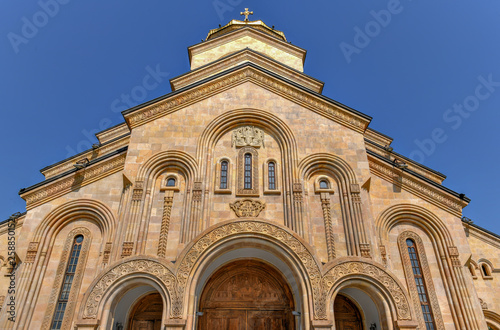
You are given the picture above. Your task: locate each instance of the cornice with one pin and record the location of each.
(482, 235)
(247, 31)
(91, 154)
(416, 186)
(413, 166)
(112, 133)
(378, 137)
(247, 72)
(73, 181)
(246, 55)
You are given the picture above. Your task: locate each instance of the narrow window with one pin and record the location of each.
(248, 171)
(486, 270)
(271, 171)
(170, 182)
(323, 184)
(223, 175)
(66, 286)
(421, 289)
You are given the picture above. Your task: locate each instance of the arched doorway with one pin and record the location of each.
(347, 315)
(246, 295)
(146, 313)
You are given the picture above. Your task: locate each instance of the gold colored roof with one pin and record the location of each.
(236, 25)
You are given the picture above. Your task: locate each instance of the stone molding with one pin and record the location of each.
(240, 172)
(124, 268)
(410, 280)
(75, 286)
(415, 186)
(196, 94)
(250, 56)
(356, 266)
(165, 222)
(90, 154)
(81, 178)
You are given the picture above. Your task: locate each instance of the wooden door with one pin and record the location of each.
(347, 315)
(246, 295)
(146, 313)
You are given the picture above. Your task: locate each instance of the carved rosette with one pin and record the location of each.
(247, 208)
(133, 266)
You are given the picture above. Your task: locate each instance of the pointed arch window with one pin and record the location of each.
(69, 276)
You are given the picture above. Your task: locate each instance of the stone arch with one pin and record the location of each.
(373, 276)
(492, 318)
(447, 255)
(329, 162)
(202, 247)
(175, 158)
(117, 275)
(417, 215)
(90, 209)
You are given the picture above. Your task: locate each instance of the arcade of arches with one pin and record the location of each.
(246, 199)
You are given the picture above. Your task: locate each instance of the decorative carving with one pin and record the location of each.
(2, 299)
(127, 248)
(355, 188)
(165, 222)
(75, 287)
(383, 254)
(137, 194)
(427, 278)
(365, 250)
(454, 256)
(60, 187)
(481, 301)
(247, 208)
(254, 191)
(133, 266)
(322, 107)
(107, 252)
(248, 136)
(330, 243)
(256, 228)
(31, 253)
(358, 267)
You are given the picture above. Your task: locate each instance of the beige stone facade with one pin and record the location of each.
(246, 159)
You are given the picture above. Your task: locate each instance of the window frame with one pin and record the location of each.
(218, 170)
(277, 181)
(254, 190)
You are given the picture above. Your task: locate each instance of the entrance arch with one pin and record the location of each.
(246, 294)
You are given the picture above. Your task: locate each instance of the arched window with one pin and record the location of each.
(323, 184)
(485, 270)
(223, 174)
(67, 282)
(271, 172)
(171, 182)
(472, 270)
(248, 171)
(420, 282)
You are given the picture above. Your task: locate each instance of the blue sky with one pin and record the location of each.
(426, 71)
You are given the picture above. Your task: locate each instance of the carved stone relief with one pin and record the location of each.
(165, 222)
(248, 136)
(247, 208)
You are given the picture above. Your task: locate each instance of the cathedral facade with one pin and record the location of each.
(245, 199)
